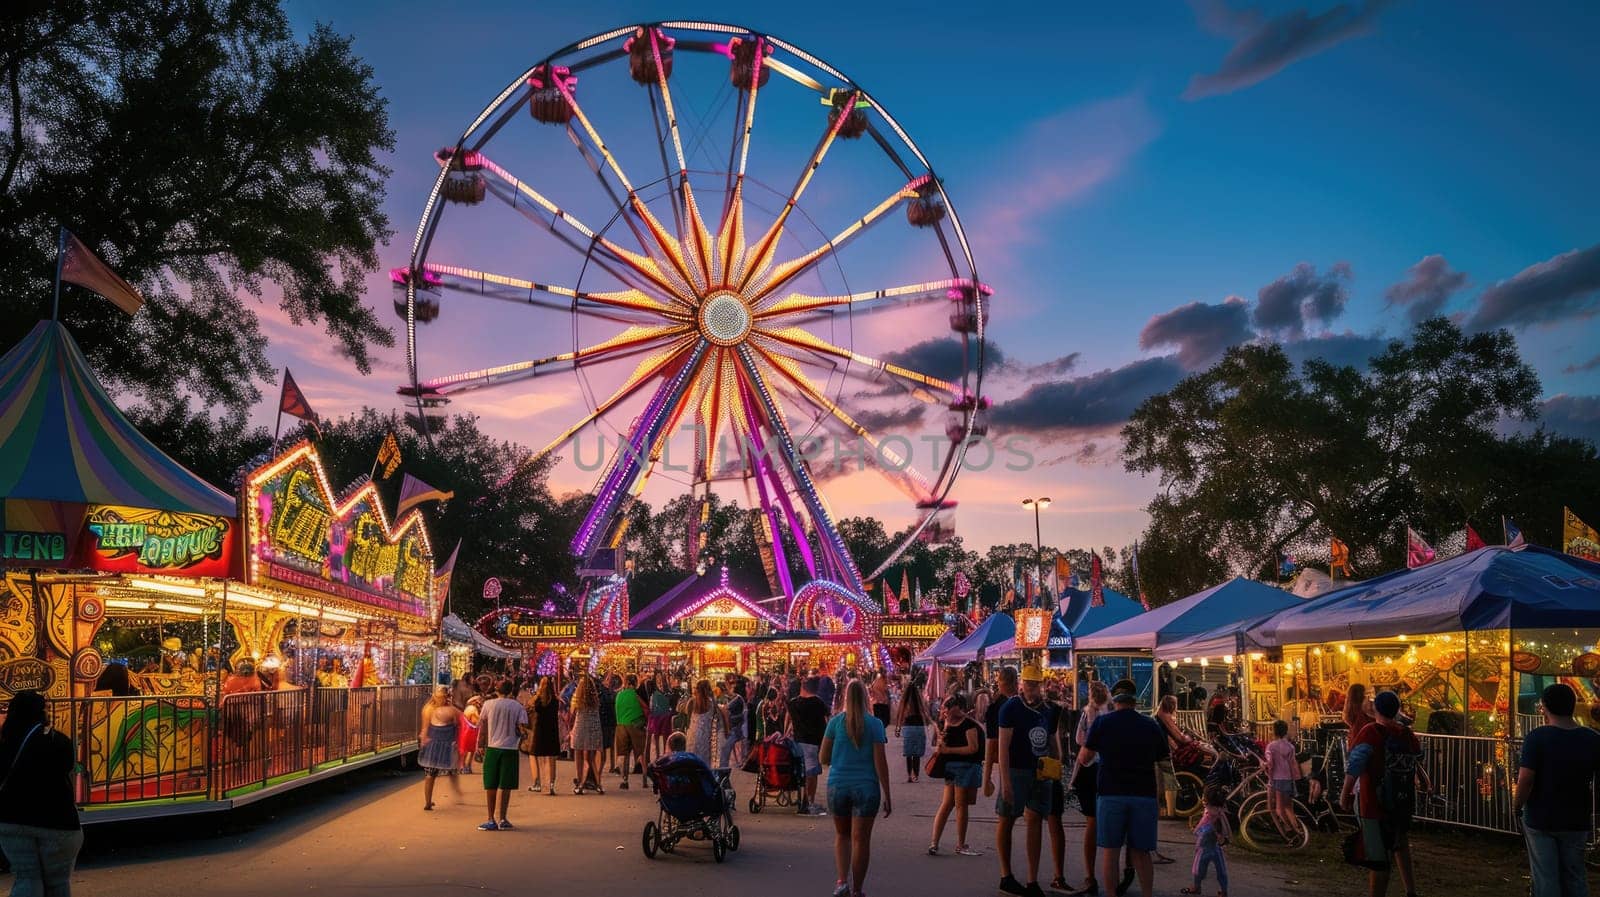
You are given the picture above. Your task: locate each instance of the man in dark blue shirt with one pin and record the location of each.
(1555, 794)
(1128, 744)
(1031, 786)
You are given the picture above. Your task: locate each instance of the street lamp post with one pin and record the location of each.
(1037, 504)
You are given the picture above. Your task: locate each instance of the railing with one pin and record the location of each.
(1474, 778)
(182, 747)
(1192, 721)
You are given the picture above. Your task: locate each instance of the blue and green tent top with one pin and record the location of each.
(62, 439)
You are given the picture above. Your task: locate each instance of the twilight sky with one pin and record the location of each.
(1143, 188)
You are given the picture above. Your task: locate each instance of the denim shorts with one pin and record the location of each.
(1124, 820)
(853, 799)
(1043, 796)
(812, 756)
(1283, 786)
(963, 774)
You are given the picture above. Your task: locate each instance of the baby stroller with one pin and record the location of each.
(692, 805)
(779, 773)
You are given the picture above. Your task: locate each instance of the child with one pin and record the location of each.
(1209, 838)
(1284, 770)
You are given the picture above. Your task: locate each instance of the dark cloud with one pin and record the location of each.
(1567, 286)
(1095, 402)
(1200, 332)
(1428, 285)
(1058, 367)
(941, 357)
(1582, 367)
(1302, 297)
(890, 419)
(1263, 47)
(1574, 416)
(1339, 349)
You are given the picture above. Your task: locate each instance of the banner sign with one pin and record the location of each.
(136, 540)
(896, 631)
(1033, 628)
(525, 624)
(298, 535)
(544, 630)
(723, 616)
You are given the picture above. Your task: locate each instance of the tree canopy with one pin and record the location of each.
(209, 155)
(1255, 457)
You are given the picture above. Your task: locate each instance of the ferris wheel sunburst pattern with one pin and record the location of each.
(708, 301)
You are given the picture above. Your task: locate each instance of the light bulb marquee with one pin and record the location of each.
(300, 536)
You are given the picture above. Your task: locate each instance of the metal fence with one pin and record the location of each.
(171, 748)
(1474, 778)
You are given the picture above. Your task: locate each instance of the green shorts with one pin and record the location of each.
(500, 768)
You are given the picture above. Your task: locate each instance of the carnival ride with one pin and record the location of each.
(729, 298)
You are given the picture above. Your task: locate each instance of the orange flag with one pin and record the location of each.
(293, 402)
(78, 264)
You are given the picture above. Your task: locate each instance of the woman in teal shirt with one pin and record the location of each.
(858, 773)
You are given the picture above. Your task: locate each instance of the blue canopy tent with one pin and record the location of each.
(1230, 638)
(1082, 618)
(935, 652)
(1233, 600)
(1491, 588)
(995, 637)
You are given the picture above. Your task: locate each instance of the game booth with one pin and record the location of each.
(200, 649)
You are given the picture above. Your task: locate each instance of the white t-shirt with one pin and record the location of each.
(498, 722)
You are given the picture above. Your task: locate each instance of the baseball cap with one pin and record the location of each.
(1032, 673)
(1387, 703)
(1124, 697)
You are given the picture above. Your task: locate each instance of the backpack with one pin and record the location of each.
(1397, 783)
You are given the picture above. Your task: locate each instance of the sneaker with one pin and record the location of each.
(1125, 883)
(966, 851)
(841, 889)
(624, 785)
(506, 826)
(817, 811)
(933, 850)
(490, 826)
(1032, 889)
(1010, 885)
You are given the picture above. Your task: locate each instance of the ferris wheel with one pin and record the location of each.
(631, 217)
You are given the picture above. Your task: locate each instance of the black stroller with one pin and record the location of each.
(693, 805)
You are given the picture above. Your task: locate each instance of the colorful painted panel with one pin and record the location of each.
(135, 540)
(299, 535)
(132, 739)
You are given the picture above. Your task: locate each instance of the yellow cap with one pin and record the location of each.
(1032, 673)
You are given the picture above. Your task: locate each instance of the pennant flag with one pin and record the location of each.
(1418, 551)
(1030, 591)
(963, 586)
(1144, 600)
(905, 589)
(1097, 584)
(1578, 538)
(441, 584)
(293, 402)
(917, 590)
(1474, 541)
(891, 601)
(1285, 565)
(79, 265)
(388, 455)
(1010, 599)
(1339, 559)
(1064, 573)
(1513, 533)
(414, 492)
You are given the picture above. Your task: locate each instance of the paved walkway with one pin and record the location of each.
(370, 835)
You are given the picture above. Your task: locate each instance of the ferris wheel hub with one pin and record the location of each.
(724, 318)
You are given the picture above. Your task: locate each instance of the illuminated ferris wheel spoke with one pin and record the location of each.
(761, 255)
(472, 280)
(804, 339)
(798, 303)
(648, 369)
(781, 275)
(632, 341)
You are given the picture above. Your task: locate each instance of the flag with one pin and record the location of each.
(441, 584)
(1339, 559)
(388, 455)
(891, 601)
(963, 586)
(293, 402)
(1418, 551)
(1144, 600)
(1064, 577)
(1010, 599)
(78, 264)
(1285, 565)
(916, 588)
(905, 589)
(1030, 592)
(1097, 585)
(414, 492)
(1474, 541)
(1578, 538)
(1513, 533)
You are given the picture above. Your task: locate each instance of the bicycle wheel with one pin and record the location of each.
(1191, 794)
(1261, 831)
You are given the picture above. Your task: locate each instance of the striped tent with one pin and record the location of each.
(63, 441)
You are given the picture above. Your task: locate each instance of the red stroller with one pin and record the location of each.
(779, 773)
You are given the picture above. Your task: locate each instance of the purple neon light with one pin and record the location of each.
(782, 493)
(630, 461)
(780, 558)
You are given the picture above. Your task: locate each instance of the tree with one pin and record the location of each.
(1255, 458)
(207, 155)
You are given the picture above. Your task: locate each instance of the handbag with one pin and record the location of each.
(1048, 769)
(934, 768)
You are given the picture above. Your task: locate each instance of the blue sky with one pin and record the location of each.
(1114, 165)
